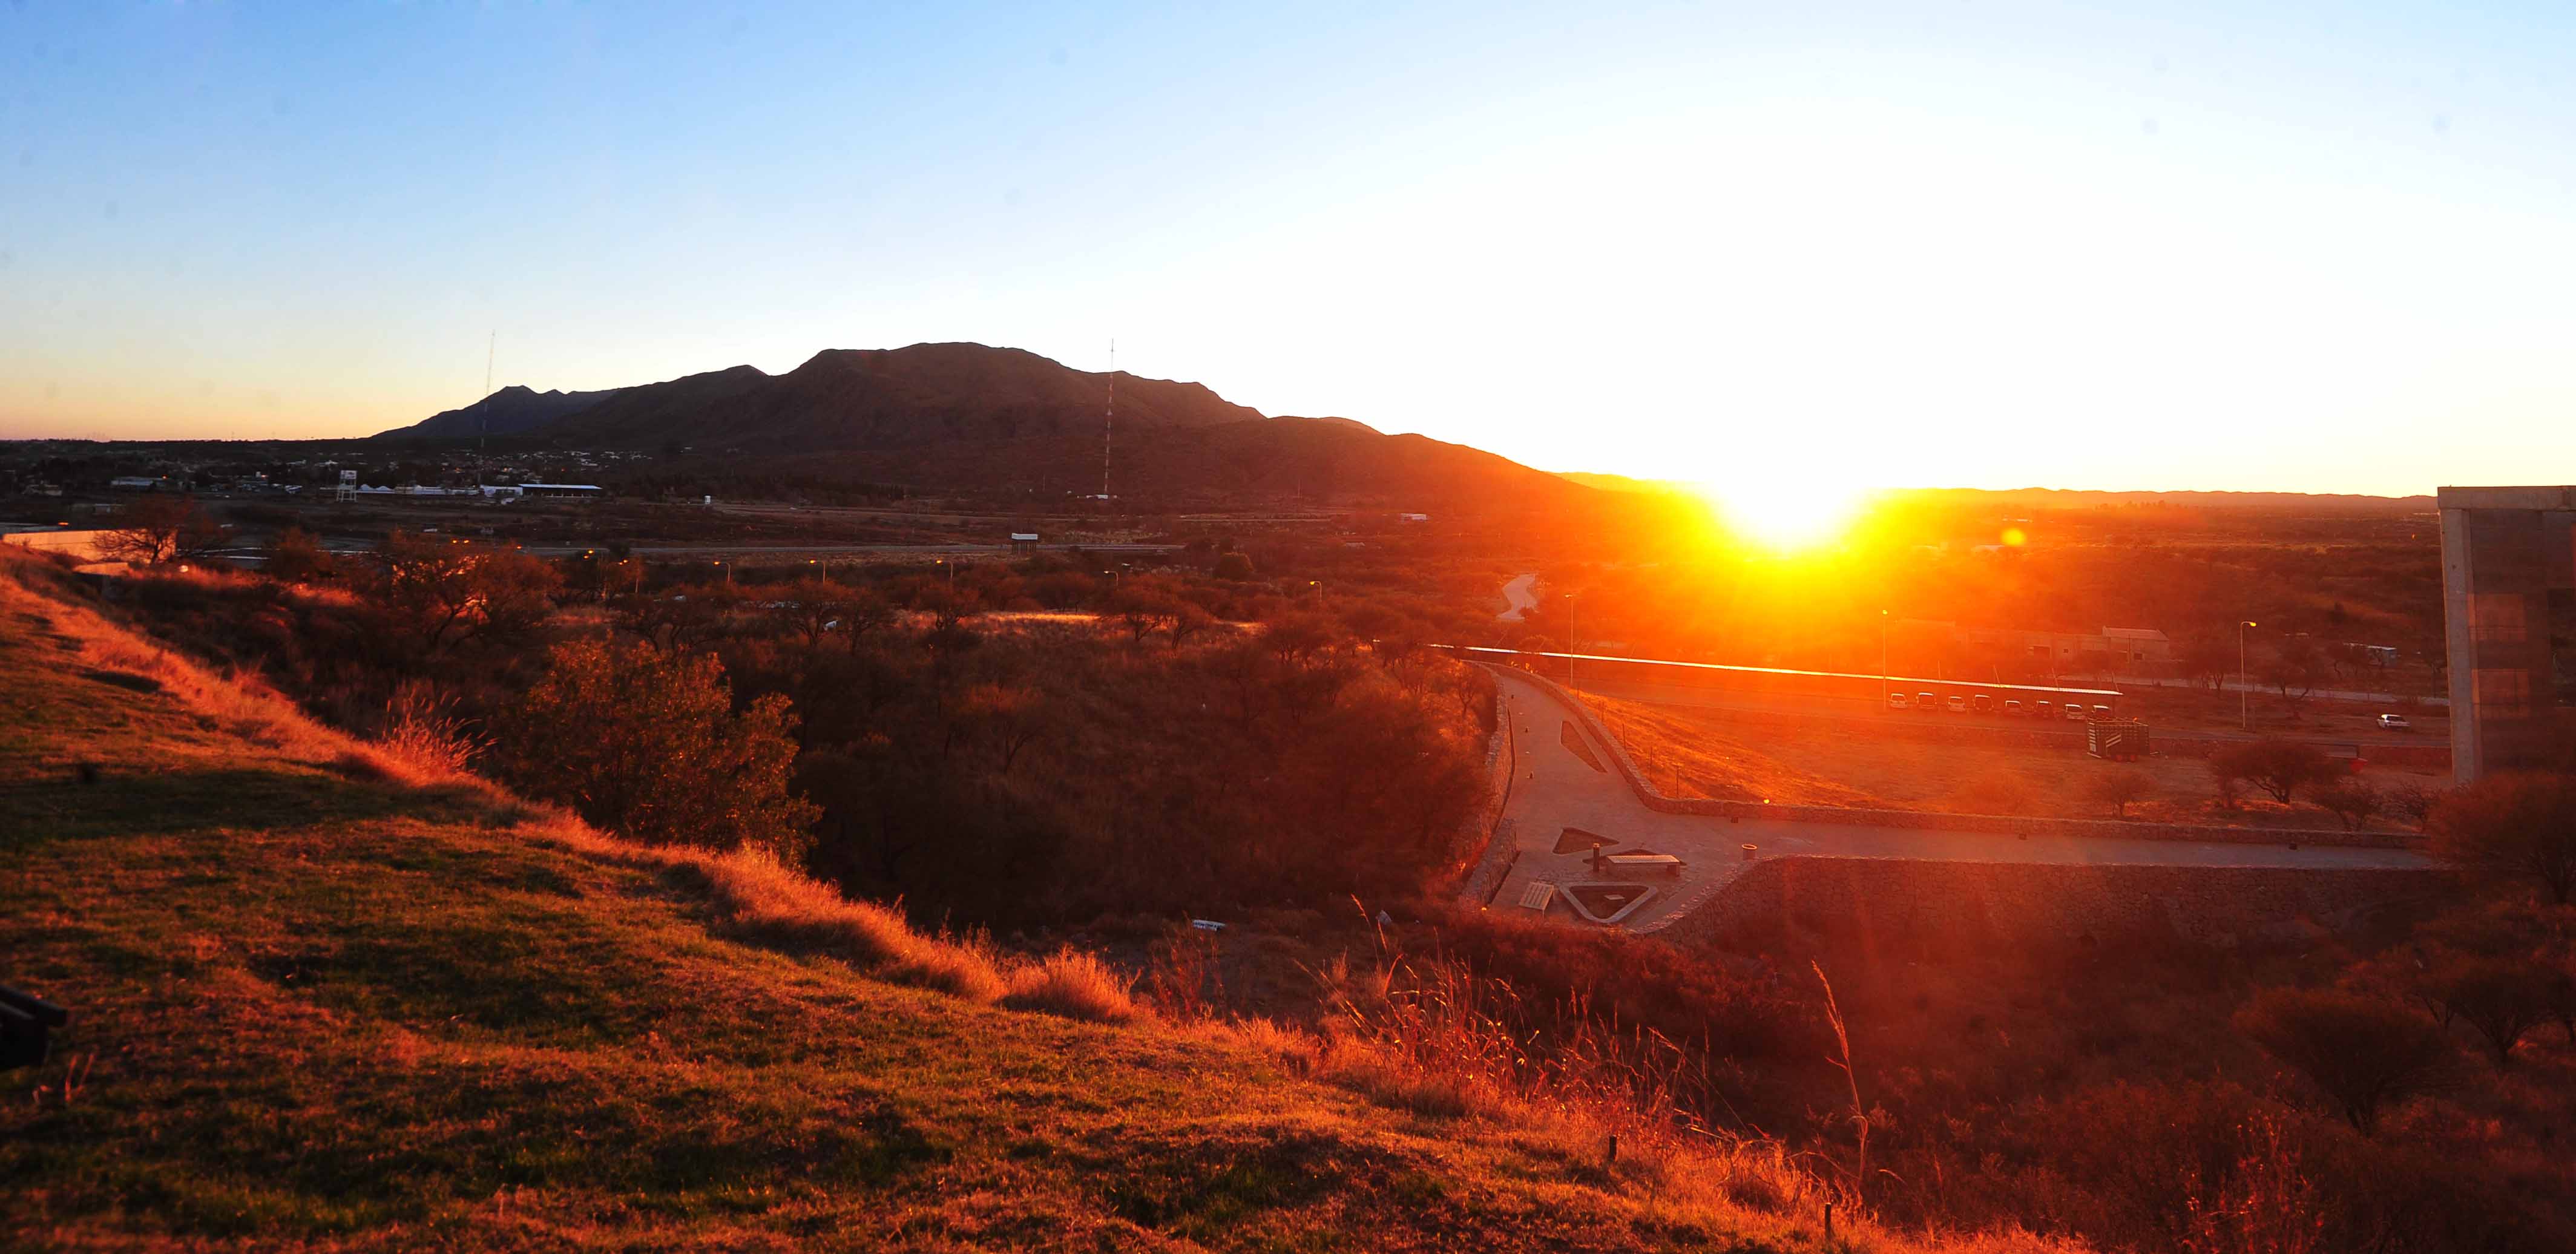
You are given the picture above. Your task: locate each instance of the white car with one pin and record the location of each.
(1896, 701)
(2394, 722)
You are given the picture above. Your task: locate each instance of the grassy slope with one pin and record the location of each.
(318, 1006)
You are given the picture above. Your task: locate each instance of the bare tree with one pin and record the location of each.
(157, 529)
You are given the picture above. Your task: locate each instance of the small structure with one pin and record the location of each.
(134, 483)
(563, 491)
(2116, 739)
(1024, 542)
(1537, 894)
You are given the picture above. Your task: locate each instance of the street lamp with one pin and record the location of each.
(1882, 659)
(2244, 708)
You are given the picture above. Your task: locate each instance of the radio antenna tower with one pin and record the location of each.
(483, 408)
(1109, 423)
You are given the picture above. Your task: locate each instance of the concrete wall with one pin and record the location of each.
(1889, 900)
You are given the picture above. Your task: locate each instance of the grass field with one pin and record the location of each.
(325, 1001)
(1707, 754)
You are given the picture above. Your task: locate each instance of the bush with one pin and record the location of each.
(1073, 984)
(647, 743)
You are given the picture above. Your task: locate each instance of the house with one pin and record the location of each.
(1024, 542)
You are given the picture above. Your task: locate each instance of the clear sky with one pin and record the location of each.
(2325, 247)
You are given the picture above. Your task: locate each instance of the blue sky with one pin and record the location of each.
(2317, 247)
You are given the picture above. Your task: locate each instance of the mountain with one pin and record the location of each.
(514, 410)
(973, 417)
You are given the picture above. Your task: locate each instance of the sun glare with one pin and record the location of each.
(1785, 513)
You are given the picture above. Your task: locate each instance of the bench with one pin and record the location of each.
(24, 1022)
(1646, 861)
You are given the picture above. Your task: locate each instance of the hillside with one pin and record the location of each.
(324, 998)
(514, 410)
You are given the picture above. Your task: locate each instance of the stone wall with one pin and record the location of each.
(1890, 900)
(2018, 825)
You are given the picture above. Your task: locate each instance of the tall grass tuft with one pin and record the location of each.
(768, 900)
(1075, 985)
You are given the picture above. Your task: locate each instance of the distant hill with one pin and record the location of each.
(514, 410)
(973, 417)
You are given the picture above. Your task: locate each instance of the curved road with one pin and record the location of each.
(1559, 789)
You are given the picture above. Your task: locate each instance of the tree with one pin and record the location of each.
(446, 592)
(2511, 826)
(156, 529)
(2503, 998)
(2209, 659)
(2120, 788)
(2361, 1052)
(2295, 668)
(647, 743)
(813, 606)
(2281, 768)
(2347, 799)
(1234, 566)
(1187, 620)
(297, 556)
(1301, 636)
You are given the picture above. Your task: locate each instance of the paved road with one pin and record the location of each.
(1558, 789)
(1518, 599)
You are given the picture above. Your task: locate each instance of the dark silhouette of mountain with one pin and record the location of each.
(890, 399)
(968, 416)
(514, 410)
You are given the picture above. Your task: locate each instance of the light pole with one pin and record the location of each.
(1882, 659)
(2244, 707)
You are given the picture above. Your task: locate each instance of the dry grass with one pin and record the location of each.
(1075, 985)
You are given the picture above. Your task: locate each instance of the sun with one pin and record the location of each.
(1785, 513)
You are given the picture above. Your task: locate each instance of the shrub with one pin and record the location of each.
(647, 743)
(2361, 1052)
(1073, 984)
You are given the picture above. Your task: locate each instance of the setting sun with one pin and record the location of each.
(1785, 512)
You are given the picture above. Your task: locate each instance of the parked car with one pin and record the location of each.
(1958, 705)
(1983, 703)
(2101, 711)
(2394, 722)
(1896, 701)
(2074, 712)
(1926, 702)
(2045, 709)
(2013, 708)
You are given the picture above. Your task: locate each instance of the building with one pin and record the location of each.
(1024, 542)
(568, 491)
(2509, 624)
(134, 483)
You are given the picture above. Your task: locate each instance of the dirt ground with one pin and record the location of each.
(1705, 753)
